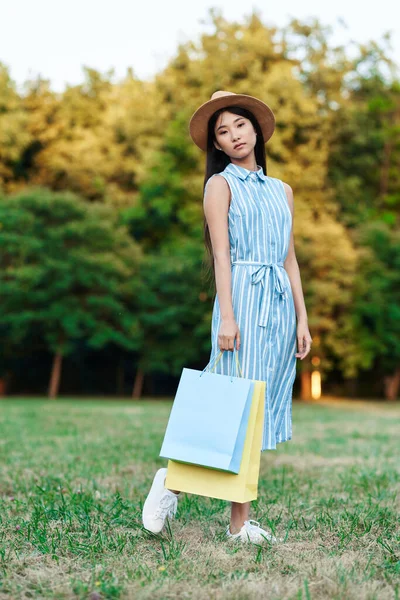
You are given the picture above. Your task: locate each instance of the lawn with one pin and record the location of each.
(74, 476)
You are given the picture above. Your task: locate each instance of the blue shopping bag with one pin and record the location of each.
(208, 420)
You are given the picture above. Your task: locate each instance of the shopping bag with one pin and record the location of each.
(242, 487)
(208, 419)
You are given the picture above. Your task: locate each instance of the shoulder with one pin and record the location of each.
(217, 184)
(216, 194)
(289, 195)
(288, 190)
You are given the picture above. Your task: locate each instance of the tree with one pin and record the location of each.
(14, 136)
(167, 222)
(67, 272)
(94, 138)
(376, 303)
(365, 154)
(126, 144)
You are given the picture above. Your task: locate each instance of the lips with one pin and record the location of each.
(238, 146)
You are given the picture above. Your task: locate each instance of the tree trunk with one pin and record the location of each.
(120, 376)
(55, 375)
(351, 387)
(138, 384)
(305, 380)
(392, 385)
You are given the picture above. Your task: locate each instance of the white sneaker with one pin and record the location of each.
(159, 504)
(252, 532)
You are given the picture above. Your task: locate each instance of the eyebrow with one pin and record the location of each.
(233, 121)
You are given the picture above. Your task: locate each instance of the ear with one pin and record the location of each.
(216, 145)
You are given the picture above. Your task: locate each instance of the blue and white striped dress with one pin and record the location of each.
(259, 224)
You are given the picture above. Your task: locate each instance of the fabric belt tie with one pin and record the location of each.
(259, 275)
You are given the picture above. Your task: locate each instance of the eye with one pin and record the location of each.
(240, 124)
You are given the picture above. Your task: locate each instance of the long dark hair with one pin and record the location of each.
(216, 161)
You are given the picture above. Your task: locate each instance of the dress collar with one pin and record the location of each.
(243, 173)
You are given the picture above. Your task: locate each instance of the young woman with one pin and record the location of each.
(249, 236)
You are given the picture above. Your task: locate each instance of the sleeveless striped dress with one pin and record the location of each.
(259, 224)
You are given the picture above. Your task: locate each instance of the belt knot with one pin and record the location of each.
(278, 281)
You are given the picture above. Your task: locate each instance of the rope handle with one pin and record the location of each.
(238, 367)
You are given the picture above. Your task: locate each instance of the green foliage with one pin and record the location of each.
(125, 144)
(64, 267)
(14, 136)
(173, 310)
(365, 154)
(167, 209)
(377, 296)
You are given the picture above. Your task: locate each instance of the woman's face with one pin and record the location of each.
(231, 130)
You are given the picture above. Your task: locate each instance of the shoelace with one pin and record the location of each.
(167, 507)
(252, 530)
(250, 526)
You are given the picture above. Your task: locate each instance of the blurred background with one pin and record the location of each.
(103, 284)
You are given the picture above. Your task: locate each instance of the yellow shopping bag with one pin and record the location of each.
(219, 484)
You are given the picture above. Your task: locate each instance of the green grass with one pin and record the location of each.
(74, 476)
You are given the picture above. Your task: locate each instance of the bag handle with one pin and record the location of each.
(234, 362)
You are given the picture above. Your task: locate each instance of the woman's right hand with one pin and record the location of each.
(228, 332)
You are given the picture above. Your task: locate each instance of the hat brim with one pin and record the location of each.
(198, 124)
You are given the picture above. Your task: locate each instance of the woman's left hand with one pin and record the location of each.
(304, 340)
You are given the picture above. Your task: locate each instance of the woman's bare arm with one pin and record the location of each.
(292, 267)
(216, 205)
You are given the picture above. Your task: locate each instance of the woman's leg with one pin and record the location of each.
(239, 514)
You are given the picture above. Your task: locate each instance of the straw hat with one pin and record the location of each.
(198, 124)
